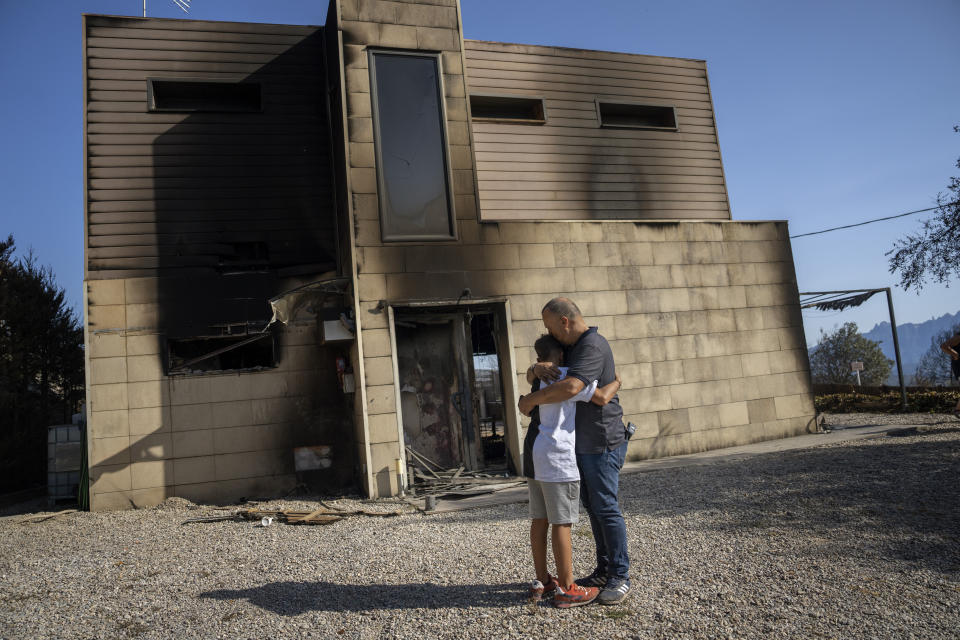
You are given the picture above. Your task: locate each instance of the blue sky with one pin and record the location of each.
(829, 113)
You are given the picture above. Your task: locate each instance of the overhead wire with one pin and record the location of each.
(860, 224)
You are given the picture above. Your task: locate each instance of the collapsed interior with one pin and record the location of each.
(451, 364)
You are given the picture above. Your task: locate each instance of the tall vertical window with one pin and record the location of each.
(413, 173)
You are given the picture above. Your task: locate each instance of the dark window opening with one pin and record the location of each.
(410, 135)
(221, 353)
(196, 95)
(243, 257)
(508, 108)
(636, 116)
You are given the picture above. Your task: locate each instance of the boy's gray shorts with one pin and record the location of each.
(558, 502)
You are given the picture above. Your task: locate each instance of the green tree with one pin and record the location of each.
(934, 365)
(933, 252)
(41, 365)
(830, 359)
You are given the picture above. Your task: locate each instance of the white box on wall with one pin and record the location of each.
(334, 331)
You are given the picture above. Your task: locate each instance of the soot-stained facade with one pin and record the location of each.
(316, 255)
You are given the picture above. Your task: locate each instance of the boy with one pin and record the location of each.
(554, 484)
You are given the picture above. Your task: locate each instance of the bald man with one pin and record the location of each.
(601, 442)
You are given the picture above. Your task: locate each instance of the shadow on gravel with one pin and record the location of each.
(32, 505)
(919, 431)
(295, 598)
(889, 497)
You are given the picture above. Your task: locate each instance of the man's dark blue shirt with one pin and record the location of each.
(599, 428)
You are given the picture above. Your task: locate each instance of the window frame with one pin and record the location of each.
(151, 98)
(598, 101)
(527, 121)
(238, 342)
(448, 169)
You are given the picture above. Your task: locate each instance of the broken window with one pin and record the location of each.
(413, 173)
(221, 353)
(636, 116)
(203, 95)
(518, 109)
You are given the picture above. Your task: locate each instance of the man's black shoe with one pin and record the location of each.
(596, 579)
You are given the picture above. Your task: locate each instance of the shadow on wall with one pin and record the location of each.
(666, 444)
(235, 206)
(243, 191)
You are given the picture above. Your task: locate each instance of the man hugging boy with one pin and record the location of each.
(554, 483)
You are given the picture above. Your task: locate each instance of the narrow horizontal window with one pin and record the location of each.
(636, 116)
(203, 95)
(522, 110)
(220, 353)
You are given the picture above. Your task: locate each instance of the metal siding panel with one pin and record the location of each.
(572, 168)
(158, 180)
(197, 26)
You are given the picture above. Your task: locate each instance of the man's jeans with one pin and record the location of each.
(599, 486)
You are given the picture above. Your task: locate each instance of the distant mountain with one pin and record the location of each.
(914, 341)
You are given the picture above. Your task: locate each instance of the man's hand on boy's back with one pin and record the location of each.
(546, 371)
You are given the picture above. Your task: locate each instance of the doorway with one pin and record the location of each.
(451, 367)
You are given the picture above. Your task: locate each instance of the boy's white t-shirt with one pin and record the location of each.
(554, 459)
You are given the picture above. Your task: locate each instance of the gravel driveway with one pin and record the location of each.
(852, 540)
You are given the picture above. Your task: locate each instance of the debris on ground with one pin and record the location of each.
(325, 514)
(174, 503)
(43, 517)
(452, 484)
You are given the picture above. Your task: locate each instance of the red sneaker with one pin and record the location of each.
(575, 596)
(538, 590)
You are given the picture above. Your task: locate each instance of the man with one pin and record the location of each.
(950, 348)
(601, 443)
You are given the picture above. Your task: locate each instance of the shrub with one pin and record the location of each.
(926, 401)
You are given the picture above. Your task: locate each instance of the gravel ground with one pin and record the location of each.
(852, 540)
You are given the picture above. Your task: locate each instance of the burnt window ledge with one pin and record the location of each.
(221, 354)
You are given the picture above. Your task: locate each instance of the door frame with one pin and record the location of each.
(508, 377)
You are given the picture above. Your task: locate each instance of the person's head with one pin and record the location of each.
(548, 349)
(563, 320)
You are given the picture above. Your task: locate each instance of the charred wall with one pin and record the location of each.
(219, 202)
(209, 191)
(573, 164)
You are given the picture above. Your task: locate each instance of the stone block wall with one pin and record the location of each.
(416, 25)
(214, 437)
(703, 318)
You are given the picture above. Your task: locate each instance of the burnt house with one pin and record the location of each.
(309, 249)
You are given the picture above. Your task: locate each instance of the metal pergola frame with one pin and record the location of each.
(840, 300)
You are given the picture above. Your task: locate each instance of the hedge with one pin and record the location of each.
(919, 401)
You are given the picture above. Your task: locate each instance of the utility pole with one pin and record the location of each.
(896, 349)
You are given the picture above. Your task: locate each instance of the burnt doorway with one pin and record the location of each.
(451, 377)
